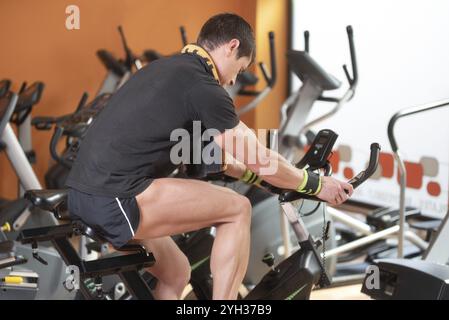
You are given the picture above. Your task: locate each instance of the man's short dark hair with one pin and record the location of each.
(224, 27)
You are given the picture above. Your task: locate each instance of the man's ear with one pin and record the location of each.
(233, 46)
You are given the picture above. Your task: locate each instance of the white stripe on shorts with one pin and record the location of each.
(126, 217)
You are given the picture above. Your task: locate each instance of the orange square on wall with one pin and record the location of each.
(386, 162)
(414, 174)
(335, 161)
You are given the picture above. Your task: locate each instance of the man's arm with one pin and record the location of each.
(244, 146)
(234, 168)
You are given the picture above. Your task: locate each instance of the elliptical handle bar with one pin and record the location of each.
(183, 35)
(270, 80)
(407, 112)
(355, 75)
(306, 40)
(131, 59)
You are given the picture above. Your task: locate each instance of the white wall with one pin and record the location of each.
(403, 59)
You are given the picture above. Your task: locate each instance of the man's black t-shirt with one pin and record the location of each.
(128, 144)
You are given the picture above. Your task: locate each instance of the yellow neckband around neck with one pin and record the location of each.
(195, 49)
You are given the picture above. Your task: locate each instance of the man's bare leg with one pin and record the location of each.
(173, 273)
(172, 206)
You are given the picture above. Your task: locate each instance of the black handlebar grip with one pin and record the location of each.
(355, 75)
(183, 35)
(306, 41)
(82, 101)
(349, 30)
(265, 74)
(272, 59)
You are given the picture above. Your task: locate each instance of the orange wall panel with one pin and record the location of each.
(37, 46)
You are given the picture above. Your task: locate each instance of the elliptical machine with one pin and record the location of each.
(401, 279)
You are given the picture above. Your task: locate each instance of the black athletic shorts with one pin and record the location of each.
(116, 219)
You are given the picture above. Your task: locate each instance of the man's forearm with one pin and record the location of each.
(242, 144)
(234, 168)
(286, 175)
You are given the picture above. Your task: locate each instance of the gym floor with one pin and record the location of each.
(351, 292)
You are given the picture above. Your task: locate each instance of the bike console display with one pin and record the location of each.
(319, 151)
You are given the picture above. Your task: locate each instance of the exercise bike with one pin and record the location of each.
(20, 275)
(292, 279)
(315, 158)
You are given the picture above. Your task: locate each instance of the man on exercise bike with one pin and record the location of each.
(119, 182)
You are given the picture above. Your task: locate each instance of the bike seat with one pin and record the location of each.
(47, 199)
(81, 228)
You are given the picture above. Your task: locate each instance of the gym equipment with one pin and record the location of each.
(413, 279)
(22, 105)
(72, 127)
(24, 281)
(435, 251)
(315, 158)
(265, 226)
(287, 281)
(126, 266)
(118, 71)
(4, 87)
(402, 173)
(404, 279)
(246, 79)
(20, 274)
(294, 278)
(115, 71)
(29, 96)
(315, 80)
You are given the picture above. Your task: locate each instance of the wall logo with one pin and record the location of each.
(72, 21)
(72, 282)
(196, 146)
(372, 280)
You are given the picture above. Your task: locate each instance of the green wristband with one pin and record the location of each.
(311, 183)
(251, 178)
(301, 187)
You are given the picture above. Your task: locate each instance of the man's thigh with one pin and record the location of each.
(171, 206)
